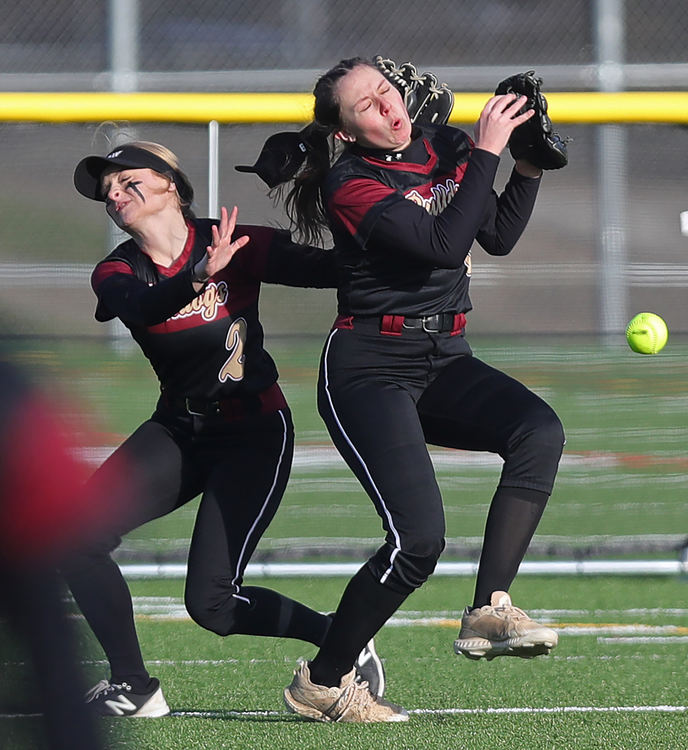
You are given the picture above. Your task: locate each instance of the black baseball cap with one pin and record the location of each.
(89, 171)
(279, 159)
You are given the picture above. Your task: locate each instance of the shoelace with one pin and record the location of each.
(513, 612)
(108, 688)
(350, 699)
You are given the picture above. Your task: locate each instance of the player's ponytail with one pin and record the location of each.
(303, 203)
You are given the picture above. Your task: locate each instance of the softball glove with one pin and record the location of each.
(534, 140)
(427, 101)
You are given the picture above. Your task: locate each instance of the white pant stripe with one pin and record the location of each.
(240, 560)
(385, 510)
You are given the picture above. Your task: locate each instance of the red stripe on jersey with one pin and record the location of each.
(354, 199)
(104, 270)
(211, 304)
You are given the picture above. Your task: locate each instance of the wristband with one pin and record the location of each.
(200, 277)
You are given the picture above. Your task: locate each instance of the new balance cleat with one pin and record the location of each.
(369, 669)
(500, 629)
(113, 699)
(350, 702)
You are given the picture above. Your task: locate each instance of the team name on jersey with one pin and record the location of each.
(206, 304)
(440, 195)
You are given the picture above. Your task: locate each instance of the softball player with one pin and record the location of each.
(44, 512)
(188, 292)
(405, 205)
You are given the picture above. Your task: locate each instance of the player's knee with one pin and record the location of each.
(410, 567)
(416, 565)
(217, 617)
(81, 561)
(550, 435)
(543, 433)
(534, 451)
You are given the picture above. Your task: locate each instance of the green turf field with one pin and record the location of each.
(617, 678)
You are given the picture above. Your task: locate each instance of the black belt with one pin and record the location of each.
(394, 325)
(439, 323)
(231, 408)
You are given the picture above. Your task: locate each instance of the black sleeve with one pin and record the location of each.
(134, 302)
(474, 211)
(291, 264)
(507, 215)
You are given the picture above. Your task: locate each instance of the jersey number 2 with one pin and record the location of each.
(233, 368)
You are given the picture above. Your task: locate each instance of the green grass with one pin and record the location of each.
(597, 688)
(626, 418)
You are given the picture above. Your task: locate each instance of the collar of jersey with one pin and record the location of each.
(184, 257)
(418, 157)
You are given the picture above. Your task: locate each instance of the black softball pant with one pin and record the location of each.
(383, 398)
(241, 470)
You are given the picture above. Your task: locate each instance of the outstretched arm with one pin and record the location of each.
(220, 251)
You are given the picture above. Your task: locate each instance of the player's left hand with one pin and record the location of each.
(223, 247)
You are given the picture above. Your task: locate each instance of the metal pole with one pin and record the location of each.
(612, 171)
(124, 44)
(124, 63)
(213, 170)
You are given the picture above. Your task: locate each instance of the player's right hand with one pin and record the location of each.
(500, 116)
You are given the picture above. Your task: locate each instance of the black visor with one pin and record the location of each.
(279, 159)
(89, 171)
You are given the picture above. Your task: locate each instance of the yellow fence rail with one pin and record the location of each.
(565, 107)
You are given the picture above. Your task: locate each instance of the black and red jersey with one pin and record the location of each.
(404, 222)
(206, 345)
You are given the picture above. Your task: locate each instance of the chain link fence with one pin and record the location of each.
(203, 43)
(555, 281)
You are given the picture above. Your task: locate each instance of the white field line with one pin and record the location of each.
(468, 711)
(552, 710)
(222, 663)
(658, 542)
(545, 567)
(655, 640)
(433, 711)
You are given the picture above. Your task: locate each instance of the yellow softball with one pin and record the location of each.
(647, 333)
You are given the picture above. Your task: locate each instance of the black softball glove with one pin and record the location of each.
(427, 101)
(534, 140)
